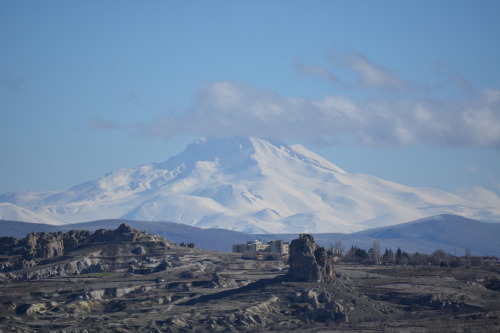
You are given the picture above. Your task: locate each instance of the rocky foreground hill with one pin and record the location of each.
(125, 280)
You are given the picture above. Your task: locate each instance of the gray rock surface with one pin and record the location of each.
(38, 248)
(308, 261)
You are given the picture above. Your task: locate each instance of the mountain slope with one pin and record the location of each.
(250, 185)
(451, 233)
(9, 211)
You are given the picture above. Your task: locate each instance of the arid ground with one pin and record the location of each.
(146, 286)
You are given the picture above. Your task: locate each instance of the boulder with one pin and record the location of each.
(94, 294)
(308, 261)
(31, 309)
(94, 268)
(218, 281)
(164, 264)
(139, 250)
(319, 306)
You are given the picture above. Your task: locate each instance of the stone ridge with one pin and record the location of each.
(47, 245)
(308, 261)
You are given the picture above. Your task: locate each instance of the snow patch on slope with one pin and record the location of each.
(12, 212)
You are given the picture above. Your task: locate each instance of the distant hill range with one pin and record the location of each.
(450, 233)
(243, 184)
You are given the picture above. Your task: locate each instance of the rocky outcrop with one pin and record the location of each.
(493, 284)
(139, 250)
(455, 303)
(110, 293)
(124, 233)
(255, 318)
(120, 292)
(31, 309)
(308, 261)
(318, 306)
(48, 245)
(37, 255)
(218, 281)
(81, 266)
(94, 294)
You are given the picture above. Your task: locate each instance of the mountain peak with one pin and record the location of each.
(246, 184)
(234, 149)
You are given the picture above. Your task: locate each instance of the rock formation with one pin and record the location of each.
(320, 306)
(37, 247)
(308, 261)
(220, 282)
(47, 245)
(123, 233)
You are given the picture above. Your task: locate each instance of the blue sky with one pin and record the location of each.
(407, 91)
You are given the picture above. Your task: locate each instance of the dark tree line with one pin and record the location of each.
(400, 257)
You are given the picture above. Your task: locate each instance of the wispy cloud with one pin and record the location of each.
(364, 73)
(233, 108)
(373, 76)
(472, 169)
(131, 97)
(480, 195)
(11, 81)
(102, 124)
(316, 70)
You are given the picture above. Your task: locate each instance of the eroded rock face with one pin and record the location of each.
(124, 233)
(47, 245)
(220, 282)
(31, 309)
(36, 252)
(81, 266)
(319, 306)
(308, 261)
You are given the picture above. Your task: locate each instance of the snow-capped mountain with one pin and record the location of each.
(245, 184)
(12, 212)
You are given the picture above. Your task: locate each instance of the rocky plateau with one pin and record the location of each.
(125, 280)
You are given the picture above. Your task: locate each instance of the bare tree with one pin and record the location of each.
(467, 256)
(376, 252)
(441, 258)
(338, 248)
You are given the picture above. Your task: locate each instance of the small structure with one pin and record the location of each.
(274, 250)
(278, 246)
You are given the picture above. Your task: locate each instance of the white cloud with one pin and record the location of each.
(232, 108)
(402, 113)
(480, 195)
